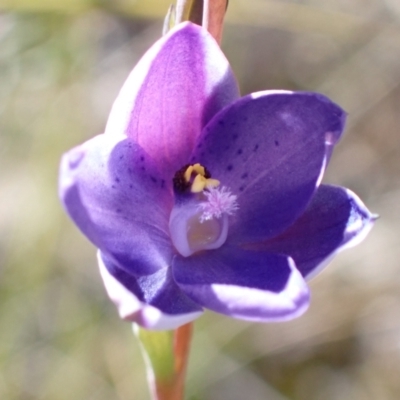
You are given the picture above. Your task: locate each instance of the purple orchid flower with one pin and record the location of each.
(197, 198)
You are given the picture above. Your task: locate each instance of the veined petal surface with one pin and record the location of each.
(335, 219)
(250, 285)
(118, 198)
(152, 301)
(270, 149)
(175, 89)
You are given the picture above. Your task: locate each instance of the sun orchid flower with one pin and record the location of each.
(200, 199)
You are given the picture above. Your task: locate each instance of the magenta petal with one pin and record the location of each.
(270, 149)
(152, 301)
(120, 201)
(175, 89)
(335, 219)
(250, 285)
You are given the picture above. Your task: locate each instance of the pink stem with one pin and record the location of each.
(213, 17)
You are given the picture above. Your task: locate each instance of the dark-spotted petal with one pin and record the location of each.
(335, 219)
(250, 285)
(270, 149)
(152, 301)
(112, 190)
(175, 89)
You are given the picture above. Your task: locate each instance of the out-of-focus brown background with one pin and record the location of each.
(61, 65)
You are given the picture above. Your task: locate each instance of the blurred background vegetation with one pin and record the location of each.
(62, 63)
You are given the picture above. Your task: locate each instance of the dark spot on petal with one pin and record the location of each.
(130, 186)
(121, 157)
(113, 186)
(255, 148)
(141, 158)
(245, 118)
(240, 151)
(241, 188)
(276, 143)
(118, 210)
(153, 179)
(199, 145)
(245, 175)
(117, 180)
(162, 183)
(229, 167)
(233, 123)
(221, 122)
(143, 168)
(227, 147)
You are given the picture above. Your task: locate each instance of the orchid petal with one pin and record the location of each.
(270, 149)
(117, 197)
(175, 89)
(152, 301)
(335, 219)
(250, 285)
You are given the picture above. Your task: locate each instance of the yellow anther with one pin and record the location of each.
(199, 169)
(188, 173)
(200, 182)
(198, 185)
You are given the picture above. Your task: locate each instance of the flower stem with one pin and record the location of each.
(166, 355)
(213, 17)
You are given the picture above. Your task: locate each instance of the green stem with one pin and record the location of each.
(166, 355)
